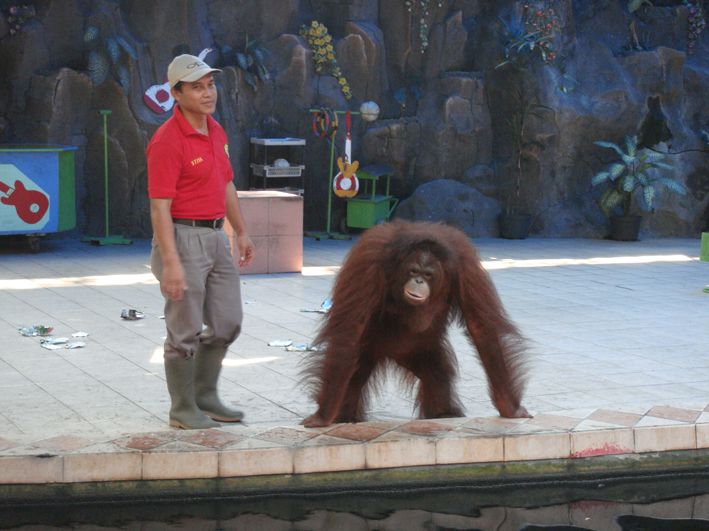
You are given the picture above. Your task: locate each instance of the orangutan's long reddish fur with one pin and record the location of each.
(370, 326)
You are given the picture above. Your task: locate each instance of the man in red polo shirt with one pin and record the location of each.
(191, 191)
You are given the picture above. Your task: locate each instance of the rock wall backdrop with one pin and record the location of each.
(446, 109)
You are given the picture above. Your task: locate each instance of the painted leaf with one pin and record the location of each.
(417, 92)
(400, 95)
(609, 145)
(126, 46)
(262, 72)
(616, 170)
(599, 178)
(98, 67)
(642, 179)
(241, 60)
(249, 79)
(114, 51)
(653, 156)
(673, 185)
(124, 77)
(628, 183)
(628, 159)
(662, 165)
(260, 58)
(634, 5)
(630, 146)
(608, 200)
(90, 34)
(225, 49)
(648, 194)
(250, 59)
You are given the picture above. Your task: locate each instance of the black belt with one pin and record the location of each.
(210, 223)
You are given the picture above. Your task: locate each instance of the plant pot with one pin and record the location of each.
(625, 228)
(514, 226)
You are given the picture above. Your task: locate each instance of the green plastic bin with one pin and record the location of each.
(367, 208)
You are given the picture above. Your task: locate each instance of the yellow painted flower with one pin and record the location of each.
(343, 81)
(330, 56)
(328, 38)
(319, 42)
(322, 30)
(329, 47)
(314, 24)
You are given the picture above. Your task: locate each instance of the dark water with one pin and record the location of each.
(666, 503)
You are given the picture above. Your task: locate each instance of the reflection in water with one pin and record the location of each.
(667, 503)
(570, 517)
(629, 522)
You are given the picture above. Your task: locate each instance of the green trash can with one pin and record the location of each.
(704, 251)
(37, 189)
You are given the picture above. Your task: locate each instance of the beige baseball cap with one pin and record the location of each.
(187, 68)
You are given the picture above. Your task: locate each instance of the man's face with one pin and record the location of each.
(199, 97)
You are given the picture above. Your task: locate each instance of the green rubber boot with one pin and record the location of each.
(208, 364)
(184, 412)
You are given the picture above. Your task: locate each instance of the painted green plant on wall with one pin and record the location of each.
(251, 61)
(320, 43)
(421, 8)
(530, 38)
(108, 53)
(528, 41)
(695, 23)
(18, 16)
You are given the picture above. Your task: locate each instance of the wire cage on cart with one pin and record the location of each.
(277, 164)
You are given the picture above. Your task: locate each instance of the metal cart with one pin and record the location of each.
(265, 175)
(37, 190)
(367, 208)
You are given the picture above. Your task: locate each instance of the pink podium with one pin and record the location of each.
(275, 223)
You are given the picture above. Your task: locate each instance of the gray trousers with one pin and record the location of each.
(213, 295)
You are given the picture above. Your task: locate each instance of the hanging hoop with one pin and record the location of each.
(334, 123)
(325, 122)
(321, 122)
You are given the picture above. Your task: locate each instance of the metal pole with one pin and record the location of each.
(105, 162)
(329, 183)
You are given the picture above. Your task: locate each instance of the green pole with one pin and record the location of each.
(329, 182)
(107, 240)
(105, 162)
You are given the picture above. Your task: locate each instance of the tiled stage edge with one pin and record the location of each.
(242, 451)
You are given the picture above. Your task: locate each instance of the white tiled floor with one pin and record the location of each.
(618, 326)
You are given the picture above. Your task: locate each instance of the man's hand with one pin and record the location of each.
(246, 250)
(173, 283)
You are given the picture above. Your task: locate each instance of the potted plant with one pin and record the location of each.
(528, 41)
(627, 175)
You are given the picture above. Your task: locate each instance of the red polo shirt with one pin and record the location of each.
(190, 168)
